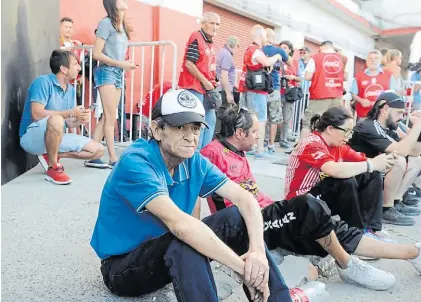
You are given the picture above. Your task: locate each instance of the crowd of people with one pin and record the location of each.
(149, 233)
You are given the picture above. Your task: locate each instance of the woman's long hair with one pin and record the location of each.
(112, 13)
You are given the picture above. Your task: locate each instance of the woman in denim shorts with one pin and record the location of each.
(112, 38)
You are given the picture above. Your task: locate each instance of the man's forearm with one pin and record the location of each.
(200, 237)
(344, 169)
(194, 71)
(357, 98)
(39, 116)
(252, 215)
(225, 82)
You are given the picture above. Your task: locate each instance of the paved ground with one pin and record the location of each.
(46, 254)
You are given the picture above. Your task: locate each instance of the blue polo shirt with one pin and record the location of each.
(392, 86)
(417, 95)
(271, 50)
(46, 90)
(140, 176)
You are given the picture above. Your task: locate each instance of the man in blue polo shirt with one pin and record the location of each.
(51, 107)
(148, 231)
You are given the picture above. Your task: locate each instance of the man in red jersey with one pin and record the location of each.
(326, 71)
(370, 83)
(303, 224)
(198, 71)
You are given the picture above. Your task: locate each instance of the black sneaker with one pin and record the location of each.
(408, 211)
(392, 216)
(415, 191)
(410, 199)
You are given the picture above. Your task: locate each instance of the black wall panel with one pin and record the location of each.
(29, 33)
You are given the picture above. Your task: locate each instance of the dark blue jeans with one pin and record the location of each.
(166, 259)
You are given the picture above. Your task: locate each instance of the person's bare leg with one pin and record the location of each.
(331, 245)
(370, 247)
(261, 140)
(273, 129)
(53, 136)
(110, 97)
(92, 150)
(392, 182)
(412, 171)
(98, 134)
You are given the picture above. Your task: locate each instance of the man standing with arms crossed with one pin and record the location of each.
(370, 83)
(198, 70)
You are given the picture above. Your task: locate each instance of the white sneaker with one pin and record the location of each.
(361, 273)
(417, 261)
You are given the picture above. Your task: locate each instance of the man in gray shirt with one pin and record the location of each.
(225, 69)
(226, 75)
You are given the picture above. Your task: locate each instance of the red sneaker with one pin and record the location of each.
(57, 176)
(43, 159)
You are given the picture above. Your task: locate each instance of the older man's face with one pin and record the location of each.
(180, 142)
(210, 27)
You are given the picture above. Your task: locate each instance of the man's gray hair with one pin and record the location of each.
(209, 15)
(232, 41)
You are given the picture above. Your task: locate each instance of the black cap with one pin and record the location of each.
(392, 99)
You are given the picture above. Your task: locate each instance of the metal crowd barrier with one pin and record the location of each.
(96, 104)
(299, 108)
(409, 88)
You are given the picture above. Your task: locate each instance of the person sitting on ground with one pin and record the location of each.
(378, 134)
(148, 231)
(49, 109)
(325, 166)
(302, 224)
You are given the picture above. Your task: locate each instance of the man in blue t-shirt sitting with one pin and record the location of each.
(148, 231)
(274, 99)
(49, 109)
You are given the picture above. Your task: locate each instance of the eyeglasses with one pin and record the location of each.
(347, 132)
(242, 108)
(240, 120)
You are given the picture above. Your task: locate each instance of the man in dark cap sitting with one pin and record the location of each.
(380, 134)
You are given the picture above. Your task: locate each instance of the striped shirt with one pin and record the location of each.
(193, 53)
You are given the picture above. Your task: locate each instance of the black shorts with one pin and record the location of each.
(296, 224)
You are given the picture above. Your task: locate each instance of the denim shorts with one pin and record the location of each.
(108, 75)
(33, 140)
(257, 103)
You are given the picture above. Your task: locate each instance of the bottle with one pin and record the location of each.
(313, 291)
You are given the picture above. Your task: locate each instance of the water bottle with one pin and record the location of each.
(313, 291)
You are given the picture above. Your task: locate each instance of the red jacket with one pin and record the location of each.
(370, 87)
(206, 65)
(328, 78)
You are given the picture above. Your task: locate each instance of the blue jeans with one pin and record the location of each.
(166, 259)
(206, 134)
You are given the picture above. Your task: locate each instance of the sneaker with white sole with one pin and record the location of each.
(416, 262)
(361, 273)
(370, 233)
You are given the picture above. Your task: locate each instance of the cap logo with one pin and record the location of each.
(187, 99)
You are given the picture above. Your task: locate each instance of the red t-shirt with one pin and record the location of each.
(304, 167)
(237, 168)
(156, 94)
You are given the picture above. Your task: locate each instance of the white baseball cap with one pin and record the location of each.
(179, 107)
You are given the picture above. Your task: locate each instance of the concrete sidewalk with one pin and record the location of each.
(46, 254)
